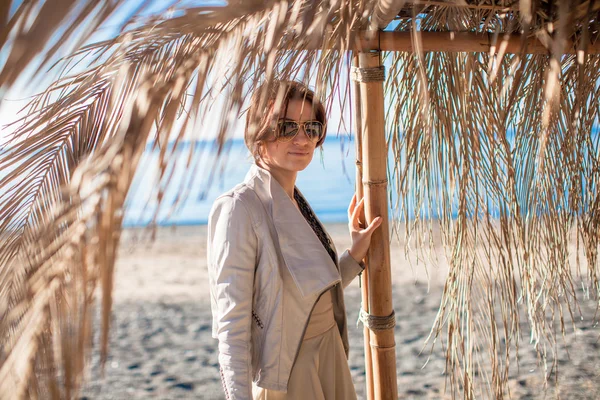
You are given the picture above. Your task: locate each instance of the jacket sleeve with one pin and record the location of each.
(231, 252)
(349, 268)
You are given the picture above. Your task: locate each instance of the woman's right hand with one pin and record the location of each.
(360, 237)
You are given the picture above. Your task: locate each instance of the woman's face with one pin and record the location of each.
(296, 154)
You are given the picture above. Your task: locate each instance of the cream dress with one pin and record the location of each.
(321, 371)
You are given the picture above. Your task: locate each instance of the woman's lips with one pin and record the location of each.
(297, 153)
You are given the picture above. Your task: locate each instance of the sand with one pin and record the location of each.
(161, 345)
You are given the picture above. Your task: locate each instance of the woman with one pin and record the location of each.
(275, 279)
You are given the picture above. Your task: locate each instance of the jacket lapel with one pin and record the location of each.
(305, 257)
(322, 227)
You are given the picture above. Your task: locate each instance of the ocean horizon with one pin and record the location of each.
(327, 183)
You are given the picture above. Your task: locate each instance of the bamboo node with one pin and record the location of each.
(376, 346)
(373, 74)
(382, 182)
(376, 322)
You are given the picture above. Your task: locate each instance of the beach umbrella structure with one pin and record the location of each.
(477, 116)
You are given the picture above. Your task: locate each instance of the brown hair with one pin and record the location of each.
(262, 117)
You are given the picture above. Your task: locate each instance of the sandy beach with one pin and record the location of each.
(161, 345)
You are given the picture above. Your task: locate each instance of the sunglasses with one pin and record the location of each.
(288, 129)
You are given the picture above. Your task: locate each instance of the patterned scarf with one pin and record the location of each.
(310, 217)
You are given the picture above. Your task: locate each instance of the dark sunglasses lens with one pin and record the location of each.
(314, 130)
(287, 130)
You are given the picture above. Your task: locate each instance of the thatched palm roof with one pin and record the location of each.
(497, 144)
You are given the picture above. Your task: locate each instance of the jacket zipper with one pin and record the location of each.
(308, 319)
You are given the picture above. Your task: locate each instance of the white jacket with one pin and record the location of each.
(267, 269)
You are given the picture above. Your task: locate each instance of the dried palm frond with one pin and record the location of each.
(71, 161)
(34, 33)
(498, 147)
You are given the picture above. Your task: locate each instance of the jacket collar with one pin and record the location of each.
(307, 260)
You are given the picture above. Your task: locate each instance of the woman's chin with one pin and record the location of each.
(299, 165)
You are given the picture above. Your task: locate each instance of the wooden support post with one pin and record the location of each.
(374, 157)
(364, 279)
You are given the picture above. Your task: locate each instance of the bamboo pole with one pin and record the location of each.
(458, 42)
(454, 42)
(364, 279)
(384, 12)
(449, 42)
(374, 157)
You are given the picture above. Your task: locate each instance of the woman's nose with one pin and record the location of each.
(301, 136)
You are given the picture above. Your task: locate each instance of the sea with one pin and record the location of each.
(189, 187)
(197, 174)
